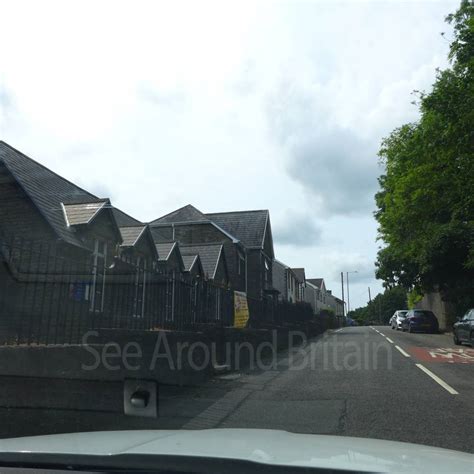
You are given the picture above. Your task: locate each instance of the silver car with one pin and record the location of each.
(397, 318)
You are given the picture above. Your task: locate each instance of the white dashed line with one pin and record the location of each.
(438, 380)
(402, 351)
(389, 340)
(339, 330)
(382, 334)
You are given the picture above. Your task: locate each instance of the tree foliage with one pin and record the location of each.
(425, 205)
(382, 307)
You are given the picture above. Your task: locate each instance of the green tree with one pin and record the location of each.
(382, 307)
(425, 205)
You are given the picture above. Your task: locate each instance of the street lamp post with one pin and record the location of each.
(347, 285)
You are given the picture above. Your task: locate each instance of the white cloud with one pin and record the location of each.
(297, 228)
(227, 105)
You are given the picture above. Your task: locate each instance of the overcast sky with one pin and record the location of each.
(227, 106)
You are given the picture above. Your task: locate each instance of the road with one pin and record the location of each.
(369, 382)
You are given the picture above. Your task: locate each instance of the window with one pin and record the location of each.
(96, 292)
(241, 265)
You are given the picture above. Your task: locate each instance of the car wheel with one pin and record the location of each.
(472, 339)
(456, 339)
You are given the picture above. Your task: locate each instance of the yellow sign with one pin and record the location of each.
(241, 309)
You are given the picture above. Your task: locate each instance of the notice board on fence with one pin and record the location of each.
(241, 309)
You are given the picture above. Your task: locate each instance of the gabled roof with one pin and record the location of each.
(125, 220)
(283, 265)
(247, 226)
(192, 261)
(164, 250)
(186, 213)
(82, 213)
(130, 235)
(50, 192)
(300, 274)
(210, 254)
(316, 281)
(133, 235)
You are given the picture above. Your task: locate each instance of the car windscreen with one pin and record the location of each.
(424, 314)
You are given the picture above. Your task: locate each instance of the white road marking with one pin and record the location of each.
(438, 380)
(382, 334)
(402, 351)
(389, 340)
(337, 330)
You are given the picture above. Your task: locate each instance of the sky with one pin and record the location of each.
(227, 105)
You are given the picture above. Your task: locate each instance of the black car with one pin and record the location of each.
(420, 320)
(463, 329)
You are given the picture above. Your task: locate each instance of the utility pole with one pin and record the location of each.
(370, 299)
(348, 300)
(343, 302)
(347, 284)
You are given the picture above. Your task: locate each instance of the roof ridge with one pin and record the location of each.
(236, 212)
(48, 169)
(177, 210)
(79, 202)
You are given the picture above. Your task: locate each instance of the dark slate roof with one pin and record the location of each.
(316, 281)
(46, 189)
(124, 220)
(184, 214)
(130, 235)
(208, 253)
(299, 272)
(82, 214)
(247, 226)
(190, 261)
(164, 250)
(188, 215)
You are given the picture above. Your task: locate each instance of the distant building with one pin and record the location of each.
(285, 282)
(246, 237)
(190, 227)
(212, 258)
(301, 283)
(253, 230)
(317, 295)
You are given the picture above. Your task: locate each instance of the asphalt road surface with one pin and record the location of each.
(371, 382)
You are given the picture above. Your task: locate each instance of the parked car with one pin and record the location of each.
(463, 329)
(397, 318)
(420, 320)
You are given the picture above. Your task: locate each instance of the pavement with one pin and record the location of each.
(371, 382)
